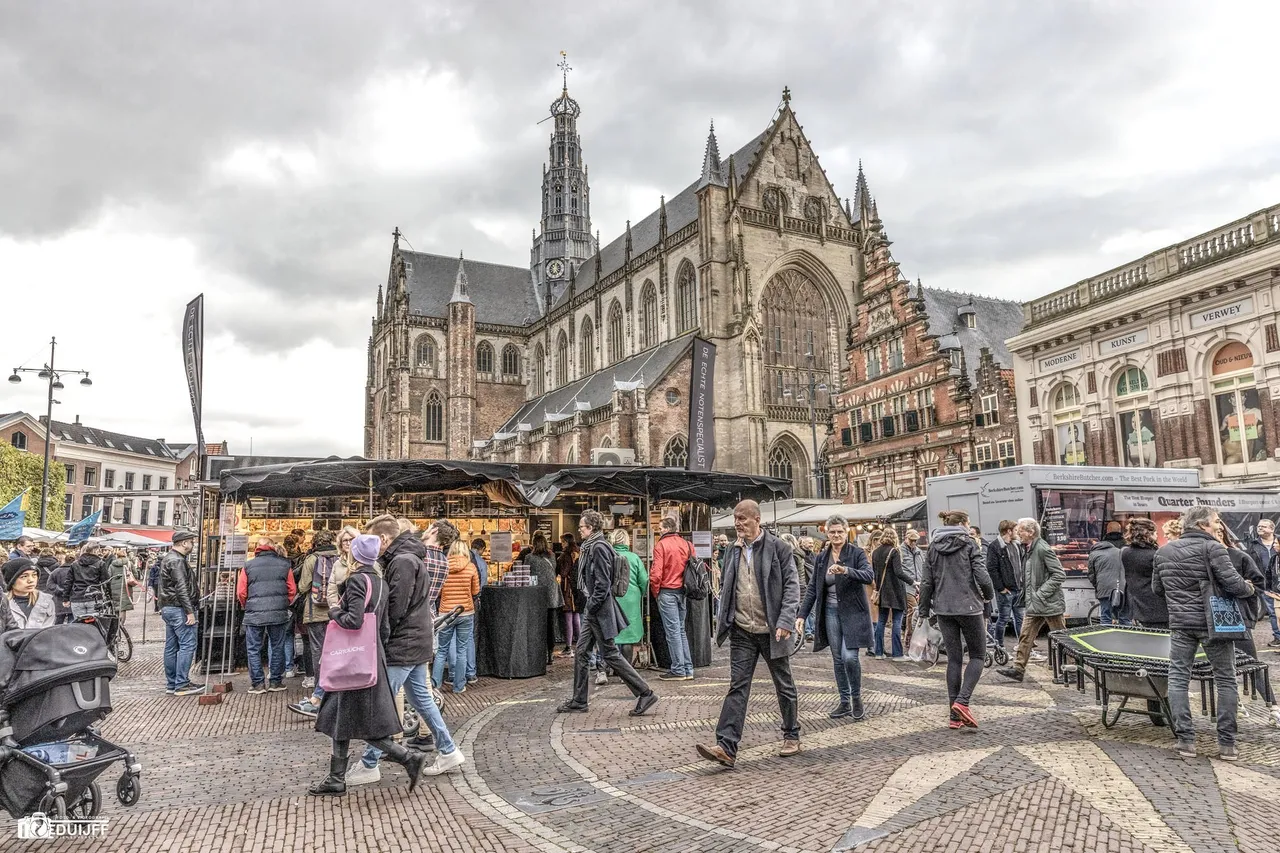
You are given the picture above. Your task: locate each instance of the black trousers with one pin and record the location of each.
(961, 677)
(744, 651)
(592, 638)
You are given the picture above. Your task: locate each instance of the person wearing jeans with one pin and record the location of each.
(892, 579)
(461, 631)
(253, 639)
(414, 681)
(1004, 566)
(178, 597)
(666, 580)
(460, 589)
(1043, 598)
(265, 589)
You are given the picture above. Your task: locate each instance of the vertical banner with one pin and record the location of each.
(80, 531)
(193, 359)
(12, 518)
(702, 407)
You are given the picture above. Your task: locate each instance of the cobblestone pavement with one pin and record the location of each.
(1041, 774)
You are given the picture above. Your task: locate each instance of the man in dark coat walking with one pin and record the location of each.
(265, 590)
(759, 599)
(602, 620)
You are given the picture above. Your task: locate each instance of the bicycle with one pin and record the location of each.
(99, 609)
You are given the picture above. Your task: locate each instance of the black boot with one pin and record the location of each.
(335, 783)
(410, 759)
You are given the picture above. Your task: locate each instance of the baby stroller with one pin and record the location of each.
(53, 693)
(410, 720)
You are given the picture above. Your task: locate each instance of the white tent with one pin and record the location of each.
(40, 534)
(876, 512)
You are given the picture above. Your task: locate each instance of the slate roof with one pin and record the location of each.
(682, 208)
(91, 437)
(997, 321)
(645, 368)
(501, 294)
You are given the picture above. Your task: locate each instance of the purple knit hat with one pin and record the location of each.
(365, 549)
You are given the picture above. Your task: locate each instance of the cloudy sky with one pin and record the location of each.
(262, 153)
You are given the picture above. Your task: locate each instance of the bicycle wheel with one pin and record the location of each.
(124, 645)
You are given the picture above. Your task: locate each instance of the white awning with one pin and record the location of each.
(876, 511)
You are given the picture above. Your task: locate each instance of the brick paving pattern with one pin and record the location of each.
(1041, 774)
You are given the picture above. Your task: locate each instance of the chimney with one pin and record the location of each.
(77, 420)
(44, 419)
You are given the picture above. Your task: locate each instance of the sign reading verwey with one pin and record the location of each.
(702, 408)
(1181, 501)
(1222, 314)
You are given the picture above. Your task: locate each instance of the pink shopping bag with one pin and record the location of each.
(351, 656)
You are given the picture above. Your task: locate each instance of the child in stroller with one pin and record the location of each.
(53, 693)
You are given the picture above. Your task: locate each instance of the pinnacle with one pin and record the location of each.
(711, 159)
(460, 283)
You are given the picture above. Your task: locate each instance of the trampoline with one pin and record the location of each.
(1133, 663)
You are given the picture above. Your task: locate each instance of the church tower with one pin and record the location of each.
(564, 238)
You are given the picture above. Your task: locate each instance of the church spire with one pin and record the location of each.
(862, 198)
(711, 160)
(460, 283)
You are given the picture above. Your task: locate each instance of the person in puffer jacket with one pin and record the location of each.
(1183, 571)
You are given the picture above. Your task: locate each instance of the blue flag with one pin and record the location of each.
(12, 518)
(80, 531)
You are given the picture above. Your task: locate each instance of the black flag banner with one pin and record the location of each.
(193, 359)
(702, 407)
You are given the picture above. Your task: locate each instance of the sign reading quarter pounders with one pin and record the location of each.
(1222, 314)
(1052, 363)
(702, 407)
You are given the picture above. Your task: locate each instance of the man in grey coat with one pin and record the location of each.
(759, 597)
(602, 620)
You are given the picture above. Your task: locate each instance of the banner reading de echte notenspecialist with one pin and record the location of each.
(702, 407)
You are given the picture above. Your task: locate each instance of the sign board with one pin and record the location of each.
(1055, 525)
(1092, 477)
(1061, 361)
(1174, 501)
(500, 546)
(702, 407)
(227, 520)
(235, 549)
(1222, 314)
(702, 544)
(1127, 341)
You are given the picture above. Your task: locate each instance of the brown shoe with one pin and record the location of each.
(717, 754)
(790, 747)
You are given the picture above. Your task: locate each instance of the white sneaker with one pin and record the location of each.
(361, 775)
(289, 673)
(901, 658)
(445, 763)
(1038, 657)
(601, 678)
(1274, 714)
(308, 683)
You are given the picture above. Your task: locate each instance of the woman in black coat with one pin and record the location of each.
(1139, 559)
(368, 714)
(891, 579)
(1251, 608)
(837, 588)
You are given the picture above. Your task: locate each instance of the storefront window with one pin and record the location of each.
(1136, 424)
(1236, 406)
(1068, 426)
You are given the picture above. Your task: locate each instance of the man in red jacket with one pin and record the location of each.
(666, 580)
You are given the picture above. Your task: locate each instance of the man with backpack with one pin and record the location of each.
(602, 620)
(666, 580)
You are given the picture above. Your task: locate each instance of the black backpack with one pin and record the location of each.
(697, 577)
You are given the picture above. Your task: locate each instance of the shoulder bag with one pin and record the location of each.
(351, 655)
(1225, 620)
(873, 595)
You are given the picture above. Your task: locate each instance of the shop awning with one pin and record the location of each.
(719, 489)
(139, 535)
(899, 511)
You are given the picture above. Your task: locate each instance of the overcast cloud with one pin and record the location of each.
(262, 154)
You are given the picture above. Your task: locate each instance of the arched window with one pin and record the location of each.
(433, 417)
(648, 315)
(795, 342)
(586, 348)
(18, 440)
(1237, 408)
(484, 357)
(539, 370)
(787, 461)
(686, 299)
(616, 342)
(562, 359)
(677, 453)
(510, 360)
(1136, 423)
(425, 353)
(1068, 425)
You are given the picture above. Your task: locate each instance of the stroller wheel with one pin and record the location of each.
(988, 660)
(438, 695)
(55, 807)
(88, 804)
(128, 789)
(409, 722)
(1002, 657)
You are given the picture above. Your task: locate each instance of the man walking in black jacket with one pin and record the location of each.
(411, 644)
(1183, 569)
(602, 620)
(1004, 564)
(1263, 550)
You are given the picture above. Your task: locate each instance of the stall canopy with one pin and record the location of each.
(900, 511)
(507, 483)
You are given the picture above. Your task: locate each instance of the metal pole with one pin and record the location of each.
(48, 438)
(646, 648)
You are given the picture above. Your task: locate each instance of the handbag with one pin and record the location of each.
(1119, 594)
(1225, 620)
(351, 654)
(873, 595)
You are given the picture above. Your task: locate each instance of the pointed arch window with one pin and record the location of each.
(796, 336)
(616, 341)
(425, 353)
(539, 370)
(510, 360)
(433, 417)
(686, 299)
(648, 315)
(484, 357)
(786, 460)
(562, 360)
(676, 454)
(586, 348)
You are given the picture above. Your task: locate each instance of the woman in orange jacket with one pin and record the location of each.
(461, 586)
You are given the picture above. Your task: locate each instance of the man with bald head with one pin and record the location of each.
(759, 597)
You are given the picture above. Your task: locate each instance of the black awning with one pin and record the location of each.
(717, 488)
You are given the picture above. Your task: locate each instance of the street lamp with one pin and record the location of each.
(54, 378)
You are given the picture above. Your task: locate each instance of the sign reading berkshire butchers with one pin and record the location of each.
(702, 407)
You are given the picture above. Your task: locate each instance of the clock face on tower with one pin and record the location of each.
(555, 268)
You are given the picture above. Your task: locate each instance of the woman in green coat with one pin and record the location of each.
(632, 603)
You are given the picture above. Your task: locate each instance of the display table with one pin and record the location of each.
(511, 632)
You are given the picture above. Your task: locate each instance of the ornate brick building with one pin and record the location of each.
(928, 384)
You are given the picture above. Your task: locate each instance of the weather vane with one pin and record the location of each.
(565, 68)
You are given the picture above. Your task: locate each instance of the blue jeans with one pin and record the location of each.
(1271, 612)
(1106, 617)
(471, 655)
(275, 636)
(847, 665)
(1008, 611)
(460, 630)
(672, 607)
(896, 634)
(179, 647)
(808, 623)
(414, 681)
(288, 645)
(1222, 655)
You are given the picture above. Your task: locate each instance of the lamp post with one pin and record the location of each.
(54, 379)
